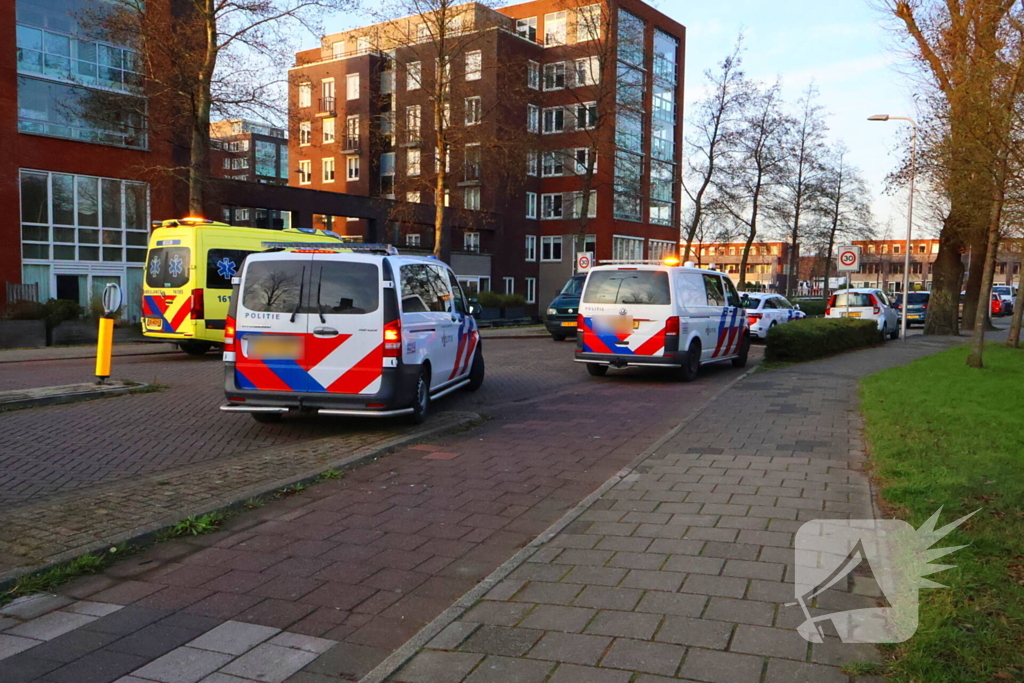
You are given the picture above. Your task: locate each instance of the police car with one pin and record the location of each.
(765, 311)
(353, 330)
(660, 315)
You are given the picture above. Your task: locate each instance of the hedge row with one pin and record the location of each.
(812, 307)
(812, 338)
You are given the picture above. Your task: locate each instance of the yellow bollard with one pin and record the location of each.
(103, 349)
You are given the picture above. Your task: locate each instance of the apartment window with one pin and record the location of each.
(552, 165)
(921, 249)
(471, 199)
(471, 241)
(554, 76)
(577, 205)
(443, 75)
(471, 162)
(328, 170)
(412, 161)
(586, 115)
(227, 163)
(588, 23)
(661, 249)
(551, 248)
(551, 206)
(422, 32)
(627, 248)
(305, 94)
(586, 71)
(554, 120)
(413, 117)
(328, 130)
(305, 172)
(510, 285)
(532, 163)
(532, 118)
(554, 29)
(412, 198)
(413, 75)
(473, 65)
(352, 87)
(531, 248)
(352, 168)
(474, 110)
(412, 239)
(305, 133)
(352, 132)
(531, 290)
(895, 248)
(531, 210)
(581, 157)
(527, 28)
(327, 94)
(533, 75)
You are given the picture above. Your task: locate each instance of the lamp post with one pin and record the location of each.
(910, 213)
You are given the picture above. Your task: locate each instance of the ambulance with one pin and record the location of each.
(660, 314)
(355, 330)
(189, 267)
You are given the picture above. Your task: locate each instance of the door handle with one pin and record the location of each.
(325, 332)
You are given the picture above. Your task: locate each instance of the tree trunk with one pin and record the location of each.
(1013, 339)
(974, 359)
(794, 238)
(947, 276)
(752, 234)
(828, 265)
(199, 152)
(975, 275)
(442, 236)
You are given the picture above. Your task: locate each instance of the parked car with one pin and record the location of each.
(765, 311)
(672, 317)
(561, 314)
(997, 305)
(866, 304)
(355, 331)
(917, 307)
(1008, 294)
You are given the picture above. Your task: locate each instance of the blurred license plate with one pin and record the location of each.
(851, 314)
(617, 324)
(913, 317)
(569, 324)
(154, 323)
(276, 347)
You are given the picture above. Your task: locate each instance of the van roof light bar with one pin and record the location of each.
(633, 262)
(346, 247)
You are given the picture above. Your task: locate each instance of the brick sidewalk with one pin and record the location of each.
(682, 569)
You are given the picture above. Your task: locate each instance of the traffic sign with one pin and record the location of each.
(112, 298)
(849, 258)
(584, 260)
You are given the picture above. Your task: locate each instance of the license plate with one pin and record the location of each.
(913, 317)
(273, 346)
(569, 324)
(617, 324)
(852, 314)
(154, 323)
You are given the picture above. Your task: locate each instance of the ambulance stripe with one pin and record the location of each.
(721, 336)
(652, 345)
(361, 375)
(591, 342)
(732, 336)
(181, 315)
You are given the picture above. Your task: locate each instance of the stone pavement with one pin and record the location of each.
(682, 569)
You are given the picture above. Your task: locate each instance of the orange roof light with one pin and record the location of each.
(671, 261)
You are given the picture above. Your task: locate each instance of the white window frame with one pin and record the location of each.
(305, 94)
(531, 290)
(532, 163)
(619, 241)
(547, 245)
(305, 172)
(533, 75)
(305, 133)
(532, 118)
(413, 198)
(531, 209)
(549, 207)
(589, 68)
(554, 29)
(553, 72)
(413, 161)
(474, 110)
(328, 130)
(412, 239)
(552, 164)
(591, 122)
(527, 23)
(474, 65)
(327, 90)
(327, 169)
(413, 122)
(590, 28)
(554, 113)
(413, 76)
(659, 249)
(471, 199)
(577, 204)
(352, 87)
(352, 168)
(531, 248)
(471, 241)
(510, 285)
(580, 167)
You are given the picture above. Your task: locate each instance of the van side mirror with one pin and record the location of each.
(475, 308)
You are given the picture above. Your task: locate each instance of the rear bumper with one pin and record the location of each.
(615, 360)
(554, 325)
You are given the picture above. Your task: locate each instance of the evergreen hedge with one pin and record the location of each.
(811, 338)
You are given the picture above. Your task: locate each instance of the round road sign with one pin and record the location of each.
(584, 262)
(848, 258)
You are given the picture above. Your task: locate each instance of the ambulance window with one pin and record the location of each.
(730, 292)
(168, 267)
(345, 288)
(222, 265)
(423, 290)
(274, 286)
(628, 287)
(713, 289)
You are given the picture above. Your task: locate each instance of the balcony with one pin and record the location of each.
(350, 144)
(327, 106)
(470, 176)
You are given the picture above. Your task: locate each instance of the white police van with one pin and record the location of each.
(662, 315)
(349, 329)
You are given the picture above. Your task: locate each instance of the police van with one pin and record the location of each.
(660, 315)
(355, 330)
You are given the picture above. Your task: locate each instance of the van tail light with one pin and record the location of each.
(198, 312)
(875, 308)
(672, 325)
(229, 335)
(828, 311)
(580, 324)
(393, 339)
(752, 318)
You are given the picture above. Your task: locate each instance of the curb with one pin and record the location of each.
(406, 652)
(145, 536)
(64, 399)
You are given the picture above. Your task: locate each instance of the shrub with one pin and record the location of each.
(812, 307)
(490, 299)
(514, 300)
(53, 312)
(812, 338)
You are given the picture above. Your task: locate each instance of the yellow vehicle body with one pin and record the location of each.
(189, 267)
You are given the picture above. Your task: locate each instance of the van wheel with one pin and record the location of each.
(193, 348)
(558, 337)
(267, 418)
(884, 333)
(597, 370)
(422, 402)
(895, 334)
(476, 372)
(740, 361)
(691, 363)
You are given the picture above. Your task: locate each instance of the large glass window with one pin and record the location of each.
(266, 158)
(350, 288)
(631, 38)
(168, 267)
(66, 111)
(628, 287)
(274, 286)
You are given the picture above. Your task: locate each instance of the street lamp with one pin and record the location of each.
(910, 213)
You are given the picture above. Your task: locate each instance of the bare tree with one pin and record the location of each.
(715, 131)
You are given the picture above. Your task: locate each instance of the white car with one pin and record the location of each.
(1007, 294)
(866, 304)
(765, 311)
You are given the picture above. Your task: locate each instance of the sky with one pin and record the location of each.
(845, 47)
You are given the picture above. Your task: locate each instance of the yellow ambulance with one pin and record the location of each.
(189, 268)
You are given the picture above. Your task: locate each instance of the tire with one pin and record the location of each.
(597, 370)
(741, 360)
(267, 418)
(895, 334)
(194, 348)
(421, 402)
(476, 372)
(691, 363)
(884, 333)
(558, 337)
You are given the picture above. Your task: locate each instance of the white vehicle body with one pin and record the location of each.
(865, 304)
(765, 311)
(1006, 293)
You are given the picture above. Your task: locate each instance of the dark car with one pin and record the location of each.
(561, 314)
(917, 306)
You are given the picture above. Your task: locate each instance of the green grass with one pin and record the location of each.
(943, 434)
(54, 576)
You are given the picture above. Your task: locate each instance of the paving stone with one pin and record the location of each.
(570, 647)
(653, 580)
(834, 652)
(695, 565)
(767, 571)
(93, 609)
(675, 546)
(572, 673)
(348, 660)
(596, 576)
(71, 646)
(32, 606)
(721, 667)
(6, 623)
(784, 671)
(217, 677)
(713, 635)
(682, 604)
(622, 543)
(452, 635)
(600, 597)
(269, 663)
(624, 624)
(152, 641)
(183, 665)
(23, 668)
(498, 613)
(726, 586)
(234, 637)
(740, 611)
(12, 645)
(502, 640)
(50, 625)
(303, 642)
(558, 618)
(770, 642)
(507, 670)
(438, 667)
(549, 593)
(643, 656)
(127, 620)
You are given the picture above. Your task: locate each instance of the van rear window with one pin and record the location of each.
(331, 287)
(168, 267)
(351, 288)
(274, 286)
(857, 299)
(628, 287)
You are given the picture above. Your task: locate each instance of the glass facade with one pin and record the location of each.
(664, 172)
(630, 94)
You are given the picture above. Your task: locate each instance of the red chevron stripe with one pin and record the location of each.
(361, 375)
(651, 345)
(593, 341)
(262, 377)
(473, 337)
(180, 316)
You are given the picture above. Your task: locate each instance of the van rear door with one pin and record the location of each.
(271, 323)
(626, 311)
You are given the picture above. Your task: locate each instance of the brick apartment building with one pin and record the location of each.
(361, 123)
(251, 152)
(767, 264)
(84, 189)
